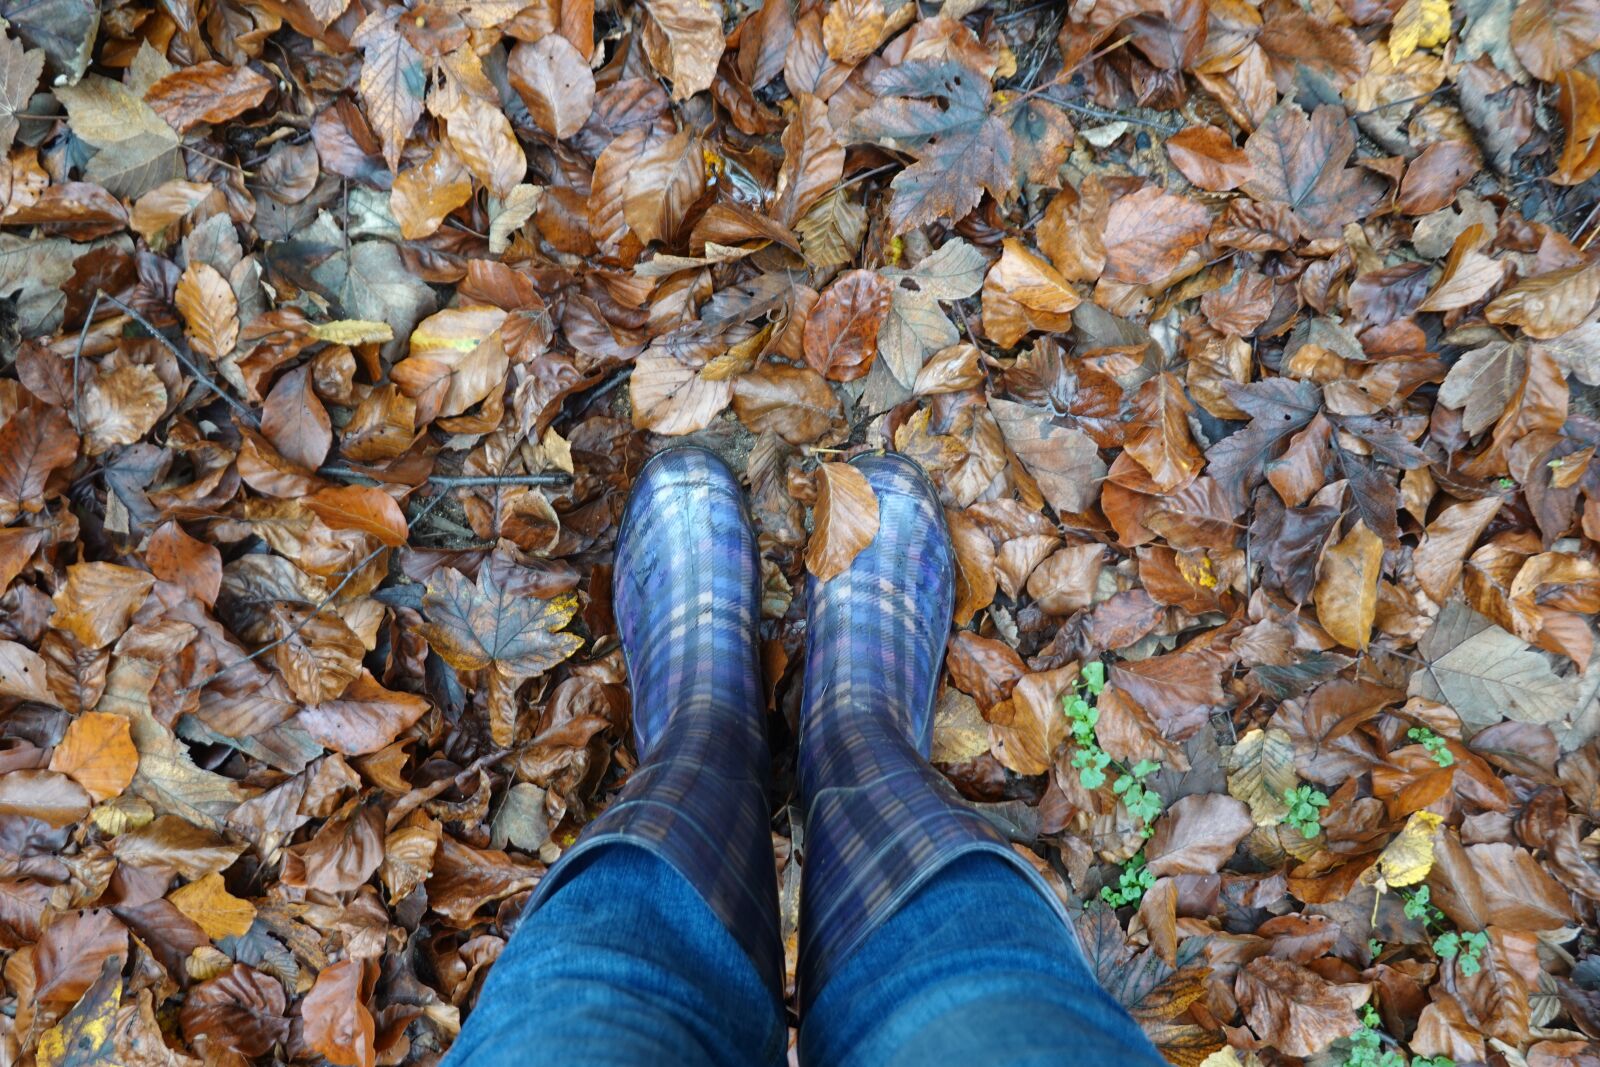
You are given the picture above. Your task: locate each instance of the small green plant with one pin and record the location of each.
(1420, 907)
(1374, 947)
(1131, 885)
(1466, 949)
(1437, 747)
(1092, 761)
(1506, 483)
(1143, 804)
(1367, 1046)
(1305, 810)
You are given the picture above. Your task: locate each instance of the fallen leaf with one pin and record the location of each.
(841, 335)
(337, 1022)
(1295, 1009)
(845, 520)
(1346, 594)
(97, 752)
(1022, 293)
(219, 913)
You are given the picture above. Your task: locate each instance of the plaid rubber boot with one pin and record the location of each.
(686, 587)
(880, 821)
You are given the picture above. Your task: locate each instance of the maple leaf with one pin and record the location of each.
(492, 623)
(1300, 161)
(960, 146)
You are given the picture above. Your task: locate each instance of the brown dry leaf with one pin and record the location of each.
(1552, 36)
(1149, 233)
(1260, 771)
(37, 441)
(423, 196)
(176, 557)
(392, 80)
(219, 913)
(1208, 157)
(1548, 305)
(554, 80)
(1063, 460)
(364, 719)
(671, 397)
(97, 752)
(210, 310)
(1580, 114)
(206, 93)
(1346, 594)
(684, 42)
(23, 673)
(975, 576)
(1161, 441)
(845, 520)
(98, 600)
(1468, 276)
(1197, 834)
(793, 402)
(852, 28)
(841, 334)
(1028, 728)
(1436, 175)
(120, 407)
(1295, 1009)
(1022, 293)
(360, 507)
(295, 421)
(337, 1022)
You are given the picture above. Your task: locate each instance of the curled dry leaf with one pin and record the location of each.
(845, 520)
(1022, 293)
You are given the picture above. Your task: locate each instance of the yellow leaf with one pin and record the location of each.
(86, 1036)
(1419, 24)
(353, 332)
(1409, 857)
(215, 910)
(1261, 771)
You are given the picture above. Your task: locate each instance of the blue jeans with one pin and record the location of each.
(626, 965)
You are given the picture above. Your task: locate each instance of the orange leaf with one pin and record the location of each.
(97, 752)
(361, 507)
(845, 520)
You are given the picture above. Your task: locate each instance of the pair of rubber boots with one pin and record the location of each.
(879, 820)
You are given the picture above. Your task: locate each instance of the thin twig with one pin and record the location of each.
(1061, 78)
(1400, 103)
(1112, 116)
(317, 608)
(77, 355)
(219, 162)
(863, 176)
(189, 366)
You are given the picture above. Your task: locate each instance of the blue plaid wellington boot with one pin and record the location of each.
(686, 589)
(880, 821)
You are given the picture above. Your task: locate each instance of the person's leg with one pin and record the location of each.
(625, 965)
(904, 883)
(681, 862)
(975, 967)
